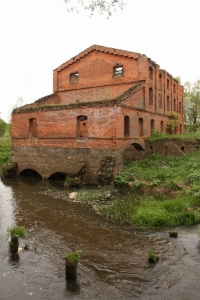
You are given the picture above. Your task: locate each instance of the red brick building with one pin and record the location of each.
(104, 100)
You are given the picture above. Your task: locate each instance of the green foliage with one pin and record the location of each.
(121, 179)
(157, 134)
(192, 104)
(171, 125)
(73, 257)
(17, 230)
(3, 127)
(5, 149)
(152, 257)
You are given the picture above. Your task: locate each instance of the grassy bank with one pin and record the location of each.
(5, 149)
(155, 192)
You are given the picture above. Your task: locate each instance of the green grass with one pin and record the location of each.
(5, 150)
(185, 136)
(17, 230)
(165, 192)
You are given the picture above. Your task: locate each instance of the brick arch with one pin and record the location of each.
(138, 143)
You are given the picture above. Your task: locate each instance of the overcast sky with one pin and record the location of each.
(38, 36)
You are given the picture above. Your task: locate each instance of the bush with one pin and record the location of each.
(3, 127)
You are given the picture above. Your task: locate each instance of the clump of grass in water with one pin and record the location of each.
(18, 231)
(152, 258)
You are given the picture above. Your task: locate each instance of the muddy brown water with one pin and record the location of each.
(114, 262)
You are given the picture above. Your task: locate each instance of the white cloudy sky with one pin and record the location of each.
(37, 36)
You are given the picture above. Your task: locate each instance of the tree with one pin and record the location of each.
(99, 6)
(3, 126)
(192, 105)
(19, 102)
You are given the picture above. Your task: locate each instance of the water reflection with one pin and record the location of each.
(114, 257)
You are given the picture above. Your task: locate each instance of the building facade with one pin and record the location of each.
(103, 101)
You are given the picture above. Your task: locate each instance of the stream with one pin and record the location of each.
(113, 263)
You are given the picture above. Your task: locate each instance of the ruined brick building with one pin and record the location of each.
(103, 101)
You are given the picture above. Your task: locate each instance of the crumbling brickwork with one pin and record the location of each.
(104, 100)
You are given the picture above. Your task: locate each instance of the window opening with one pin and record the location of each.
(174, 88)
(168, 84)
(160, 80)
(174, 105)
(74, 78)
(126, 126)
(168, 103)
(118, 71)
(32, 127)
(179, 107)
(150, 96)
(82, 130)
(150, 73)
(152, 125)
(161, 126)
(141, 127)
(160, 101)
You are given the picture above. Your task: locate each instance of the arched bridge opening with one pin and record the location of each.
(57, 176)
(30, 173)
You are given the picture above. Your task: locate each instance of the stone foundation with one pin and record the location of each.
(50, 160)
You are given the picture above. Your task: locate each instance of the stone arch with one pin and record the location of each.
(57, 175)
(29, 172)
(133, 149)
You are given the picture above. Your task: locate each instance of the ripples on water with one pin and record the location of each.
(113, 264)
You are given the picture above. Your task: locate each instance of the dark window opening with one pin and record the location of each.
(82, 130)
(168, 84)
(150, 73)
(32, 127)
(150, 96)
(179, 107)
(160, 101)
(160, 80)
(74, 78)
(174, 105)
(182, 148)
(141, 127)
(152, 125)
(161, 126)
(174, 88)
(126, 126)
(118, 71)
(168, 106)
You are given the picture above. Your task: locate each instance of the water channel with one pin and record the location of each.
(113, 263)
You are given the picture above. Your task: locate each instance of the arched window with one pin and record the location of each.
(126, 126)
(150, 96)
(160, 101)
(168, 104)
(160, 80)
(152, 125)
(174, 107)
(141, 127)
(168, 84)
(150, 73)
